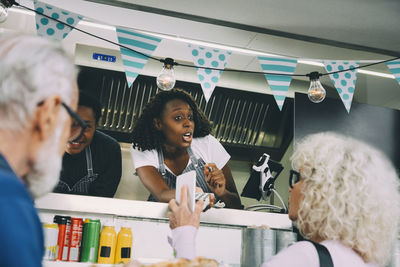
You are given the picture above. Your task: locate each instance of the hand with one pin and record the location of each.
(181, 215)
(215, 179)
(212, 201)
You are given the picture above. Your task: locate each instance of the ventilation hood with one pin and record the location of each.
(248, 124)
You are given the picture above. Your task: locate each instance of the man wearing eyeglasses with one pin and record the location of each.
(38, 96)
(92, 164)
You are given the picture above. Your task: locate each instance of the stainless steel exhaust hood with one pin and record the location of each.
(246, 123)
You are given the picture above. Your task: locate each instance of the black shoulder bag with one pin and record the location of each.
(325, 259)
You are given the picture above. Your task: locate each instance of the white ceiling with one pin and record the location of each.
(369, 23)
(314, 29)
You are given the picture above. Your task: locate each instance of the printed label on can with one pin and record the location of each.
(50, 253)
(92, 254)
(65, 253)
(74, 254)
(75, 240)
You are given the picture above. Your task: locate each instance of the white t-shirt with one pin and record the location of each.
(304, 254)
(208, 148)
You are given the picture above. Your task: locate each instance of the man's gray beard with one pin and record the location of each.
(46, 170)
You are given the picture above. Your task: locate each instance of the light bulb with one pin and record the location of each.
(3, 12)
(316, 92)
(166, 78)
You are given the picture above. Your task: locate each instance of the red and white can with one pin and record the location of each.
(76, 239)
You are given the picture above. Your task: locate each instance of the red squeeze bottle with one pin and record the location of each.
(64, 231)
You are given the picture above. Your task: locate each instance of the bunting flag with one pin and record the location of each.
(134, 62)
(52, 29)
(210, 58)
(279, 84)
(394, 67)
(344, 82)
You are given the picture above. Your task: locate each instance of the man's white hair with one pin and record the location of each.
(351, 194)
(31, 69)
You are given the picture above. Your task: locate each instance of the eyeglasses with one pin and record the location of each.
(78, 126)
(293, 178)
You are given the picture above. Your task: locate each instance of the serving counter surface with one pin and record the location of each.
(156, 211)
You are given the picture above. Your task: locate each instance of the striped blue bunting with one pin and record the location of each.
(134, 62)
(394, 67)
(279, 84)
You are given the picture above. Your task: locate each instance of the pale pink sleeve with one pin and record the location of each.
(184, 241)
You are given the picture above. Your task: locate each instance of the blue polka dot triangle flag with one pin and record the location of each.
(279, 84)
(134, 62)
(209, 58)
(394, 67)
(50, 28)
(344, 82)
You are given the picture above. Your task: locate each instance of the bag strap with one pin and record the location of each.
(325, 259)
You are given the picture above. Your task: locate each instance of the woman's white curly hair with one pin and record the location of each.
(351, 194)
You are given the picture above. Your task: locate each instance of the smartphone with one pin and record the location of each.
(189, 179)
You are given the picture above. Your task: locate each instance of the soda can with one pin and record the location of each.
(64, 235)
(76, 238)
(124, 246)
(50, 231)
(90, 241)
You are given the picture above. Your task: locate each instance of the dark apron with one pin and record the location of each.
(82, 186)
(170, 178)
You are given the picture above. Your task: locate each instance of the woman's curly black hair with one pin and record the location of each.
(146, 137)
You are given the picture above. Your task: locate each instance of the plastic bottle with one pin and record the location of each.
(108, 242)
(123, 251)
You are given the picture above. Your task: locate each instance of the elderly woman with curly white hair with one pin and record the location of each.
(344, 195)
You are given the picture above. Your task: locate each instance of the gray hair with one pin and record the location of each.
(351, 194)
(32, 69)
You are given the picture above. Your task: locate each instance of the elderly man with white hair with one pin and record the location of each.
(38, 94)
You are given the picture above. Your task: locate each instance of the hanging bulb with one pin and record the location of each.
(316, 92)
(3, 12)
(166, 78)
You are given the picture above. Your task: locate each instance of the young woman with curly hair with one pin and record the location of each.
(171, 137)
(344, 196)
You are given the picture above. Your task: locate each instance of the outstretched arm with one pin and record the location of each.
(154, 182)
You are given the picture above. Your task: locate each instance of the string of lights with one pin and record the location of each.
(166, 79)
(9, 3)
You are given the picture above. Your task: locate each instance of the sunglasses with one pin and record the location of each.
(293, 178)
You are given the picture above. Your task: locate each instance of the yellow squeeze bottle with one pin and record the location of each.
(107, 244)
(124, 246)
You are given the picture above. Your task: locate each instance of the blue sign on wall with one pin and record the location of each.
(103, 57)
